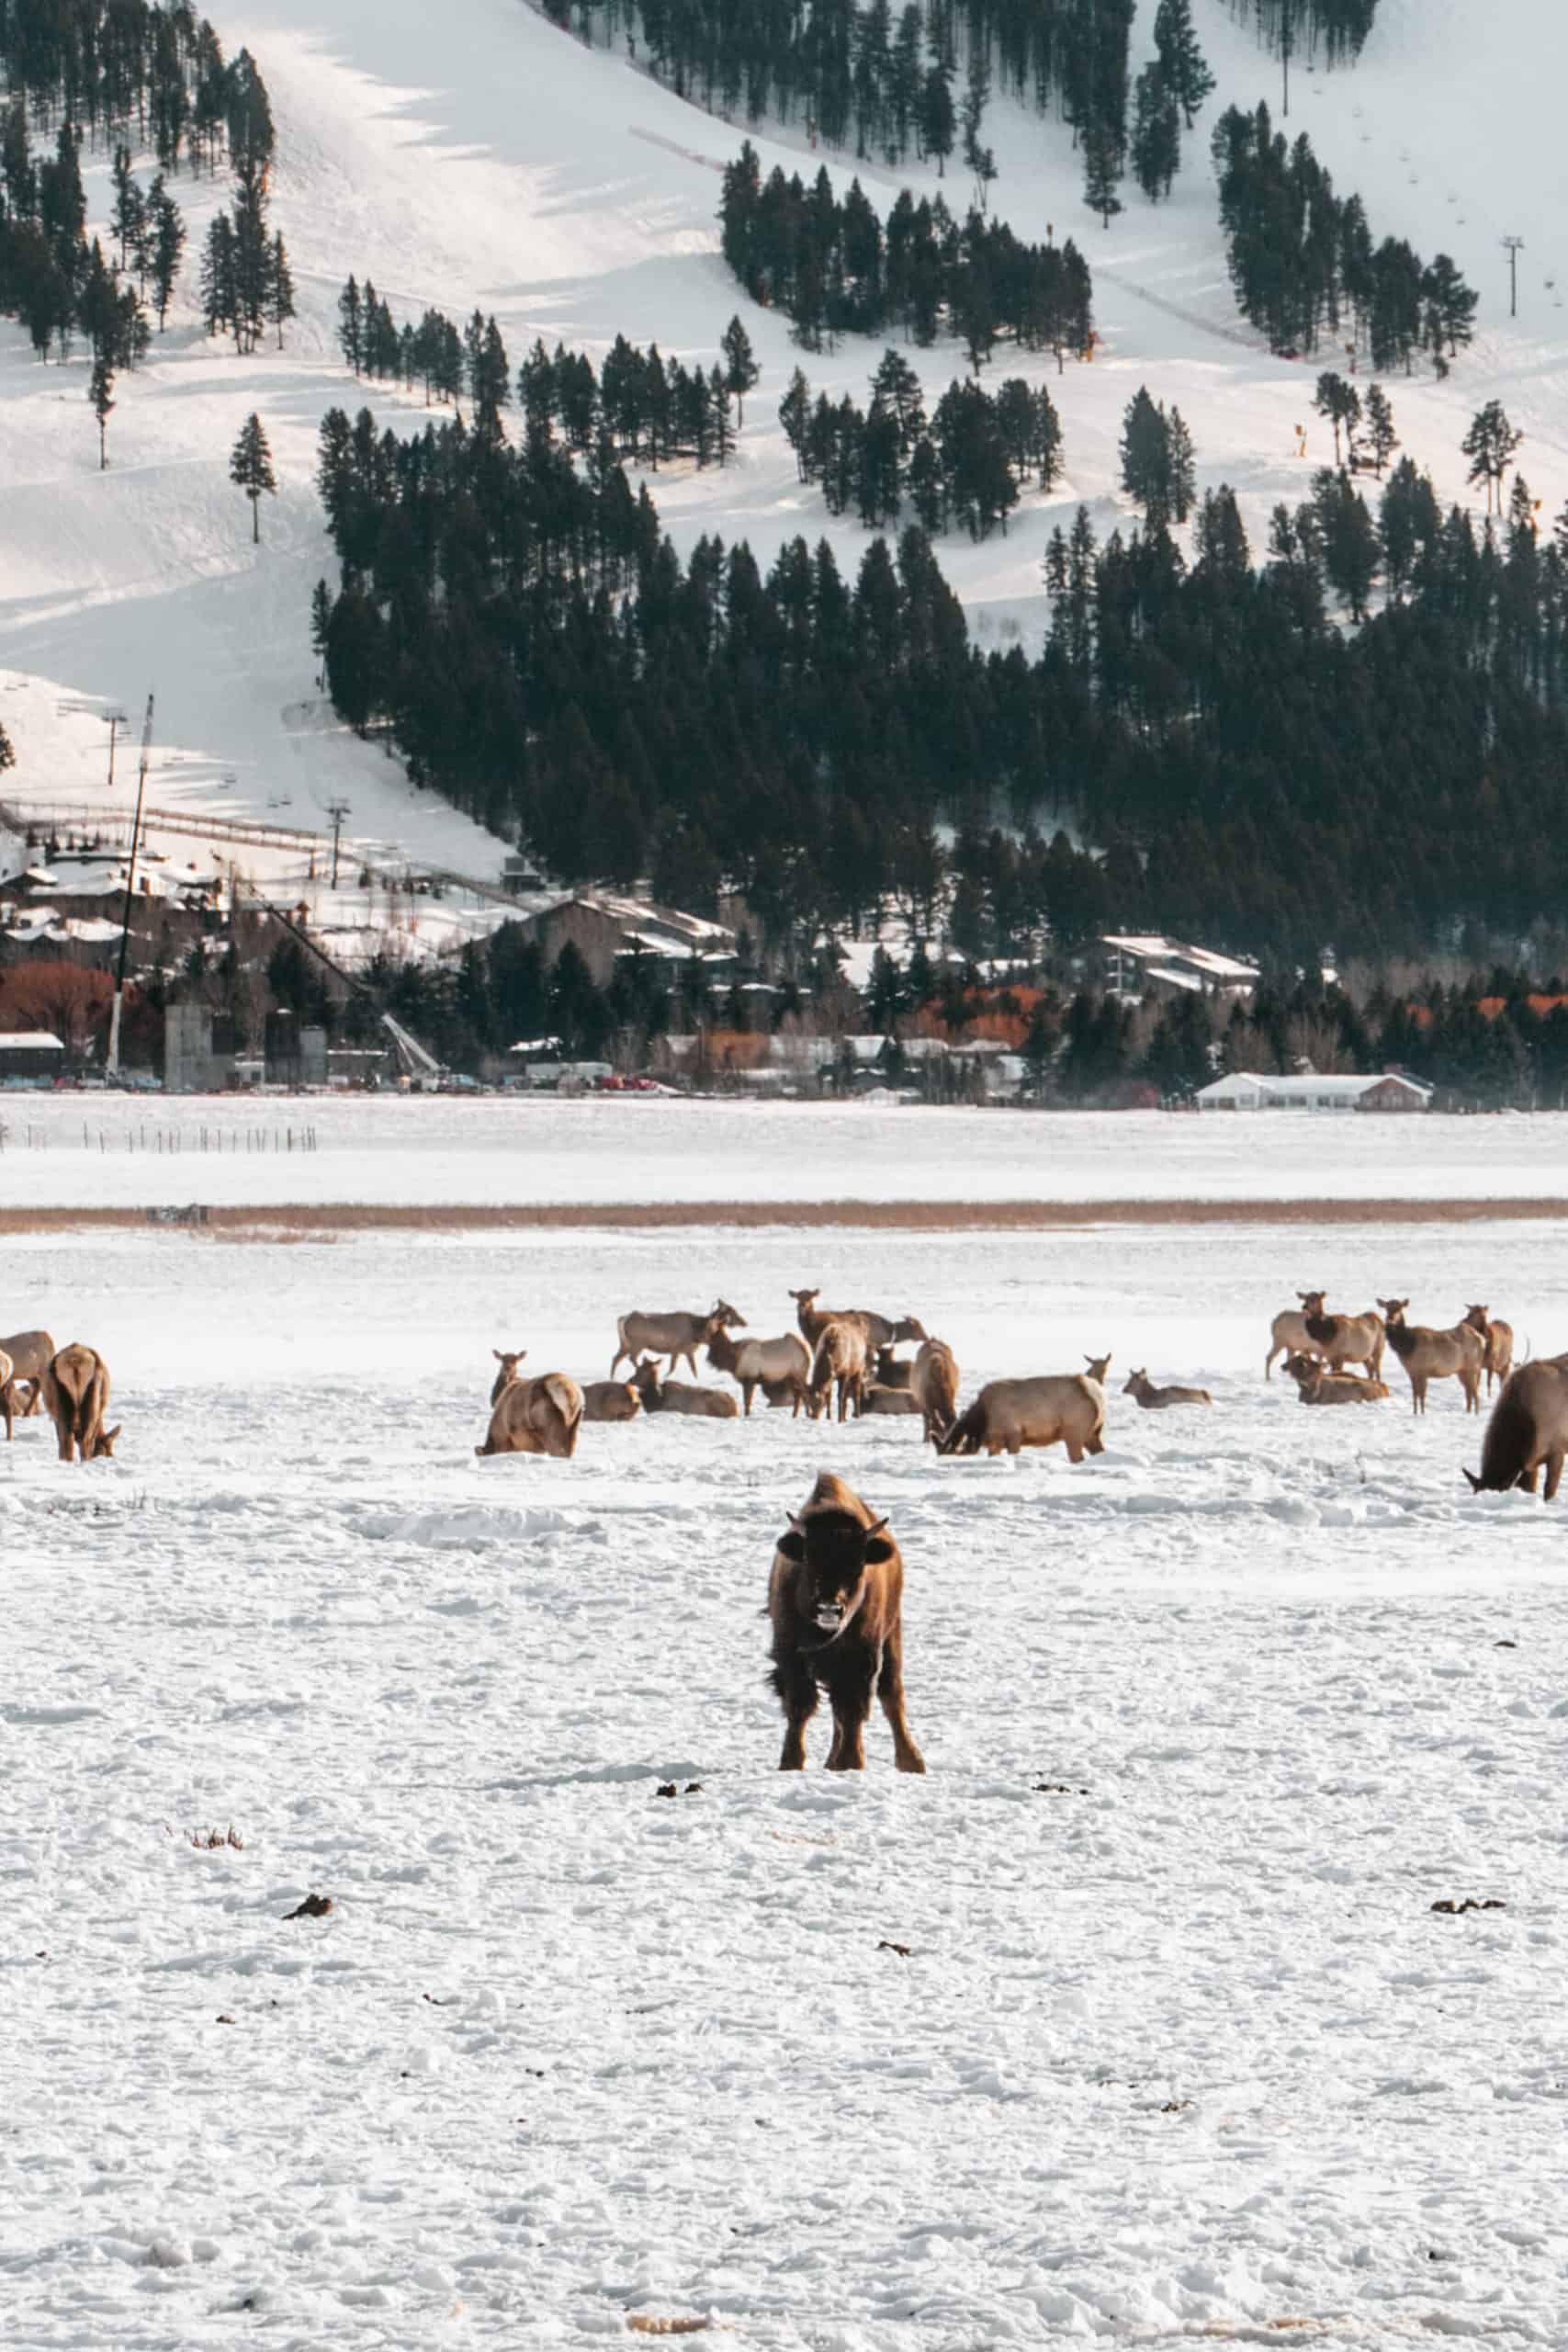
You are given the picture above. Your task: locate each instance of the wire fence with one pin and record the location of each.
(148, 1136)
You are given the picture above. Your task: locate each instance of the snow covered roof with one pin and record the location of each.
(1149, 947)
(42, 1041)
(1308, 1086)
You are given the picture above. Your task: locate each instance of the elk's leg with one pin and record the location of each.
(1075, 1451)
(797, 1687)
(748, 1390)
(851, 1704)
(8, 1404)
(907, 1757)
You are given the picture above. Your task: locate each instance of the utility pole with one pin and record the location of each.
(1513, 247)
(337, 810)
(117, 719)
(111, 1059)
(1287, 42)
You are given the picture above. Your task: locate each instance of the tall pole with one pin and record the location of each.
(117, 719)
(1513, 247)
(1287, 36)
(337, 810)
(111, 1059)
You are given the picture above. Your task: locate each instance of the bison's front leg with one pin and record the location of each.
(907, 1757)
(797, 1687)
(851, 1705)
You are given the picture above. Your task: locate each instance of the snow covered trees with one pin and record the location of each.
(1157, 134)
(250, 468)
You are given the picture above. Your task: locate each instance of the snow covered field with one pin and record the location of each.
(103, 1150)
(1178, 2046)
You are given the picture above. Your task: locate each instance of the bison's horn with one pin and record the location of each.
(877, 1527)
(795, 1523)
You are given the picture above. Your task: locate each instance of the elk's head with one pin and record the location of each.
(1478, 1319)
(1136, 1380)
(1097, 1368)
(835, 1551)
(1311, 1300)
(103, 1444)
(722, 1316)
(909, 1327)
(1393, 1310)
(645, 1377)
(508, 1373)
(1305, 1371)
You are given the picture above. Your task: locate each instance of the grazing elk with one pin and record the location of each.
(1342, 1340)
(1154, 1400)
(679, 1396)
(1453, 1354)
(1288, 1333)
(839, 1365)
(1065, 1408)
(1497, 1348)
(1528, 1429)
(672, 1335)
(30, 1353)
(933, 1384)
(881, 1330)
(1318, 1386)
(835, 1596)
(75, 1392)
(538, 1415)
(609, 1400)
(782, 1365)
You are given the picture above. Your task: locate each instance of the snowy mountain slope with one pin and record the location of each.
(484, 156)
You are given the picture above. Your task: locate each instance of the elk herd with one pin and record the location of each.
(70, 1384)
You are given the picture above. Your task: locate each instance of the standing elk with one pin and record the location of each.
(75, 1393)
(1153, 1400)
(678, 1396)
(781, 1368)
(1318, 1386)
(1065, 1408)
(674, 1335)
(1288, 1334)
(30, 1353)
(839, 1365)
(7, 1403)
(1453, 1354)
(881, 1330)
(1497, 1348)
(933, 1384)
(835, 1596)
(1343, 1339)
(538, 1415)
(1528, 1429)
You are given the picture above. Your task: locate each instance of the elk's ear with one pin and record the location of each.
(792, 1544)
(497, 1354)
(879, 1549)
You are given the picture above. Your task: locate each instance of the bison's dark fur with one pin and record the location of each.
(835, 1596)
(1528, 1430)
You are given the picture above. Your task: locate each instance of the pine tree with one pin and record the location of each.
(1340, 403)
(219, 297)
(1144, 452)
(280, 289)
(1382, 438)
(100, 391)
(1157, 134)
(126, 218)
(1183, 467)
(1102, 168)
(166, 246)
(937, 123)
(1187, 76)
(1450, 307)
(1490, 445)
(351, 326)
(740, 368)
(250, 468)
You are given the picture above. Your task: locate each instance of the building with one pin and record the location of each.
(30, 1056)
(608, 931)
(1137, 964)
(1389, 1091)
(201, 1050)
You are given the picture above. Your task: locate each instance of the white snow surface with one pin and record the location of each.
(86, 1150)
(1176, 2047)
(477, 155)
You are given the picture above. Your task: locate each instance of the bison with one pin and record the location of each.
(835, 1596)
(1528, 1430)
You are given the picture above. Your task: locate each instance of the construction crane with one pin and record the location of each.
(111, 1059)
(415, 1061)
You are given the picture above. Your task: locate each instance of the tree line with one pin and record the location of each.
(1290, 27)
(151, 67)
(835, 267)
(1303, 263)
(966, 463)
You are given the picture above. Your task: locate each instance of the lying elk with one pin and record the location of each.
(839, 1366)
(1528, 1429)
(1497, 1348)
(1453, 1354)
(609, 1400)
(1066, 1408)
(679, 1396)
(835, 1596)
(1154, 1400)
(1318, 1386)
(75, 1394)
(780, 1367)
(1288, 1334)
(30, 1353)
(878, 1400)
(672, 1335)
(881, 1330)
(892, 1372)
(933, 1384)
(538, 1415)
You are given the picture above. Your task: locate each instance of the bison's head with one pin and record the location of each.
(835, 1551)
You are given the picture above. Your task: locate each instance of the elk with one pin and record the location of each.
(892, 1372)
(835, 1596)
(75, 1391)
(609, 1400)
(839, 1364)
(7, 1401)
(1065, 1408)
(539, 1415)
(1343, 1339)
(878, 1400)
(1288, 1333)
(881, 1330)
(933, 1384)
(679, 1396)
(30, 1353)
(1318, 1386)
(1528, 1429)
(673, 1335)
(1154, 1400)
(1454, 1355)
(1497, 1351)
(781, 1364)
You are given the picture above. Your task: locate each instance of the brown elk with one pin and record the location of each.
(538, 1415)
(782, 1365)
(30, 1353)
(835, 1596)
(1342, 1340)
(1497, 1348)
(1288, 1333)
(881, 1330)
(894, 1372)
(75, 1392)
(839, 1365)
(1528, 1429)
(1065, 1408)
(1154, 1400)
(8, 1405)
(674, 1336)
(1318, 1386)
(609, 1400)
(878, 1400)
(679, 1396)
(1453, 1354)
(933, 1384)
